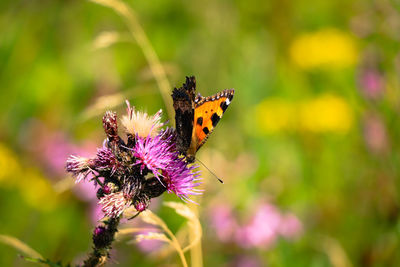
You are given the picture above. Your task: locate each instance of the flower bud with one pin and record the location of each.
(110, 125)
(100, 237)
(140, 206)
(106, 189)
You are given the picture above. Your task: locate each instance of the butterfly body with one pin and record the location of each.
(197, 116)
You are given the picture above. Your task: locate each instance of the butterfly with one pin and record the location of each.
(196, 116)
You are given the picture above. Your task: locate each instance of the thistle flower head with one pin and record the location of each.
(140, 123)
(105, 159)
(182, 179)
(153, 153)
(80, 167)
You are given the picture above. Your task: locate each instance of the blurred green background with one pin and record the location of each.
(312, 133)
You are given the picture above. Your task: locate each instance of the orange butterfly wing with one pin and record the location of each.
(208, 111)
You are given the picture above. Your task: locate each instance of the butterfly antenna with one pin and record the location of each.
(220, 180)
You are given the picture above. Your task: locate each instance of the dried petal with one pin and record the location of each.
(114, 204)
(138, 123)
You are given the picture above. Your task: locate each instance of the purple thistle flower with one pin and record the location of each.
(170, 136)
(105, 160)
(155, 153)
(181, 179)
(80, 167)
(114, 204)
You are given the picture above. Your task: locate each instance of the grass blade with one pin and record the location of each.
(20, 246)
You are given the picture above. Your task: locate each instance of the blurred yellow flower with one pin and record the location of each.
(325, 48)
(35, 189)
(9, 166)
(322, 114)
(38, 191)
(326, 113)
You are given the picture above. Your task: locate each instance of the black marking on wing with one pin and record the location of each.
(200, 121)
(224, 106)
(205, 130)
(215, 119)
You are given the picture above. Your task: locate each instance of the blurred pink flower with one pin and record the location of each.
(375, 134)
(55, 150)
(263, 229)
(291, 227)
(85, 190)
(96, 212)
(223, 220)
(51, 149)
(246, 261)
(63, 148)
(371, 83)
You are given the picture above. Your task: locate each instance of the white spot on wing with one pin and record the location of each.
(227, 101)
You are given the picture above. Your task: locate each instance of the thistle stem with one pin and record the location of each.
(102, 244)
